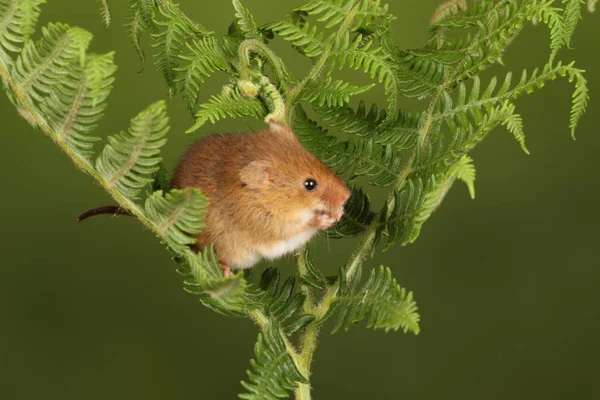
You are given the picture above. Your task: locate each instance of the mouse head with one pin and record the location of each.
(292, 182)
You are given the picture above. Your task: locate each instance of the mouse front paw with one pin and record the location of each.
(323, 221)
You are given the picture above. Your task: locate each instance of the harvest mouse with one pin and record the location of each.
(267, 195)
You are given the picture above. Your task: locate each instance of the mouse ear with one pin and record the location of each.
(281, 129)
(257, 174)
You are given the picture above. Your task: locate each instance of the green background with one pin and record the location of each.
(507, 285)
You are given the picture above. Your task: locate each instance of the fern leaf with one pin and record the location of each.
(580, 96)
(313, 277)
(332, 93)
(380, 300)
(274, 373)
(131, 158)
(333, 12)
(357, 217)
(447, 9)
(572, 16)
(472, 106)
(374, 61)
(514, 124)
(230, 103)
(40, 65)
(309, 40)
(17, 24)
(140, 21)
(282, 304)
(401, 133)
(176, 215)
(464, 170)
(206, 57)
(203, 277)
(246, 21)
(77, 101)
(173, 32)
(105, 12)
(402, 222)
(552, 17)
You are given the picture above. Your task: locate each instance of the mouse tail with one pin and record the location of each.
(113, 210)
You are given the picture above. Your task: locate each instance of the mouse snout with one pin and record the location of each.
(336, 197)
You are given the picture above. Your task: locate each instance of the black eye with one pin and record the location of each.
(310, 184)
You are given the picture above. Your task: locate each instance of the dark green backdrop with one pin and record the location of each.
(507, 284)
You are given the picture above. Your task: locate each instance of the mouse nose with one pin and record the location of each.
(336, 197)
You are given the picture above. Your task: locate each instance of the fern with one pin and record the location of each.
(176, 215)
(230, 103)
(105, 12)
(246, 21)
(380, 300)
(61, 88)
(206, 56)
(130, 159)
(274, 371)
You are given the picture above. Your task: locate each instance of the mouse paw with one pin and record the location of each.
(324, 221)
(226, 270)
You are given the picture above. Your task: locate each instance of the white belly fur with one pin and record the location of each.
(277, 249)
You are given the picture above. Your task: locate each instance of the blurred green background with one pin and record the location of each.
(507, 285)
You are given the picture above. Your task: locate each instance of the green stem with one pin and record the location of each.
(256, 46)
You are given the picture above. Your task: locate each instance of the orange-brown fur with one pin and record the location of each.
(255, 185)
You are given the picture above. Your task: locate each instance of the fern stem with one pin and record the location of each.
(256, 46)
(29, 113)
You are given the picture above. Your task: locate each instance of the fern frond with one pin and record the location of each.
(230, 103)
(17, 24)
(464, 170)
(359, 157)
(105, 12)
(402, 222)
(274, 373)
(401, 133)
(281, 303)
(40, 65)
(360, 54)
(514, 124)
(141, 21)
(357, 217)
(130, 159)
(309, 40)
(173, 32)
(380, 300)
(472, 106)
(246, 21)
(572, 16)
(447, 9)
(313, 277)
(206, 56)
(77, 101)
(331, 93)
(203, 277)
(591, 5)
(176, 215)
(333, 12)
(551, 16)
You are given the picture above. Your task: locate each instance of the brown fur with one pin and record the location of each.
(255, 185)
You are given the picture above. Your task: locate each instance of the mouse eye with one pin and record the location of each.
(310, 184)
